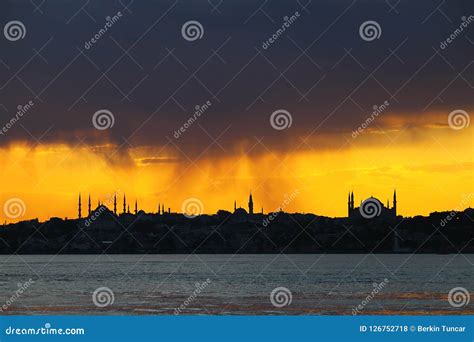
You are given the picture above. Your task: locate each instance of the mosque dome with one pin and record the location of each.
(240, 211)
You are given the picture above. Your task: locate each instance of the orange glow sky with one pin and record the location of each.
(431, 167)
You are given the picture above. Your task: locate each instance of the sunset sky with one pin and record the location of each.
(319, 70)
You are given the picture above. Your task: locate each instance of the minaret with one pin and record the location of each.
(395, 203)
(235, 205)
(128, 209)
(115, 204)
(162, 209)
(349, 204)
(250, 204)
(98, 203)
(158, 208)
(79, 207)
(136, 207)
(124, 204)
(89, 206)
(352, 200)
(388, 204)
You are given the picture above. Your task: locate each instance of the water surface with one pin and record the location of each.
(236, 284)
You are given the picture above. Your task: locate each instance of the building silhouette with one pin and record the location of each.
(372, 207)
(241, 211)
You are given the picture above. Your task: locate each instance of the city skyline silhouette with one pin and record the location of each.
(119, 204)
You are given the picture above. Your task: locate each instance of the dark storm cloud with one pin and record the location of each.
(152, 79)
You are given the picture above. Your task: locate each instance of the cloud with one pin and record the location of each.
(159, 160)
(154, 89)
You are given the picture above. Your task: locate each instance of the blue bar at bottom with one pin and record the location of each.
(237, 328)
